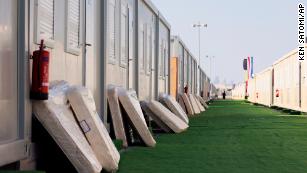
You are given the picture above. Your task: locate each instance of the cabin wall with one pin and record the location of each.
(287, 82)
(164, 58)
(146, 47)
(264, 87)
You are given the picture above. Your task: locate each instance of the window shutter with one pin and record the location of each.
(149, 49)
(73, 26)
(111, 22)
(124, 34)
(45, 21)
(165, 63)
(142, 47)
(162, 59)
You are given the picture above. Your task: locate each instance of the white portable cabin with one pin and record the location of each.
(290, 82)
(213, 91)
(264, 87)
(251, 90)
(303, 83)
(187, 66)
(71, 30)
(120, 44)
(68, 29)
(207, 93)
(137, 48)
(162, 66)
(238, 93)
(193, 75)
(204, 84)
(153, 51)
(147, 45)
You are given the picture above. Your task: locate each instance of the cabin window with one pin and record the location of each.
(112, 31)
(162, 58)
(188, 69)
(179, 61)
(149, 50)
(185, 64)
(124, 35)
(166, 60)
(142, 48)
(44, 21)
(73, 27)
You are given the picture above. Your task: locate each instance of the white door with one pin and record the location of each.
(89, 61)
(151, 55)
(8, 71)
(131, 59)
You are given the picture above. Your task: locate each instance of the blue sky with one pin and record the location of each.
(265, 29)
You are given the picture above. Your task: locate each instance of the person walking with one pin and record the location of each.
(224, 95)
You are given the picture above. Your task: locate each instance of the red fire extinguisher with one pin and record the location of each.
(40, 74)
(277, 93)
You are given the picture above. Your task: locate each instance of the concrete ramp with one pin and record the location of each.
(194, 104)
(83, 105)
(174, 106)
(202, 101)
(58, 119)
(166, 116)
(117, 118)
(155, 118)
(187, 104)
(201, 108)
(130, 103)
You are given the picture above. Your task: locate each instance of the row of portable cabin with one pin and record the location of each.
(239, 91)
(92, 43)
(282, 85)
(185, 73)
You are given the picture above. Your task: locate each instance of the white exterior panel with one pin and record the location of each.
(264, 87)
(238, 93)
(251, 90)
(286, 82)
(304, 84)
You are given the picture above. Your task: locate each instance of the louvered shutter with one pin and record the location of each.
(149, 49)
(111, 22)
(142, 47)
(145, 48)
(165, 59)
(45, 21)
(124, 34)
(73, 26)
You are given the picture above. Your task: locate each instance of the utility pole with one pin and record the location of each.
(199, 26)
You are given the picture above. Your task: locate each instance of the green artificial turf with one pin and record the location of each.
(230, 137)
(22, 172)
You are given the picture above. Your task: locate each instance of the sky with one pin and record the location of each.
(264, 29)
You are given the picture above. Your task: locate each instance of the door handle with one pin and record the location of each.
(85, 44)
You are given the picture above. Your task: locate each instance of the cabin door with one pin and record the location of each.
(131, 58)
(88, 41)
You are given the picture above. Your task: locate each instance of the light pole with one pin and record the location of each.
(199, 26)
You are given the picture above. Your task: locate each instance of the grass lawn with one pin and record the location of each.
(230, 137)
